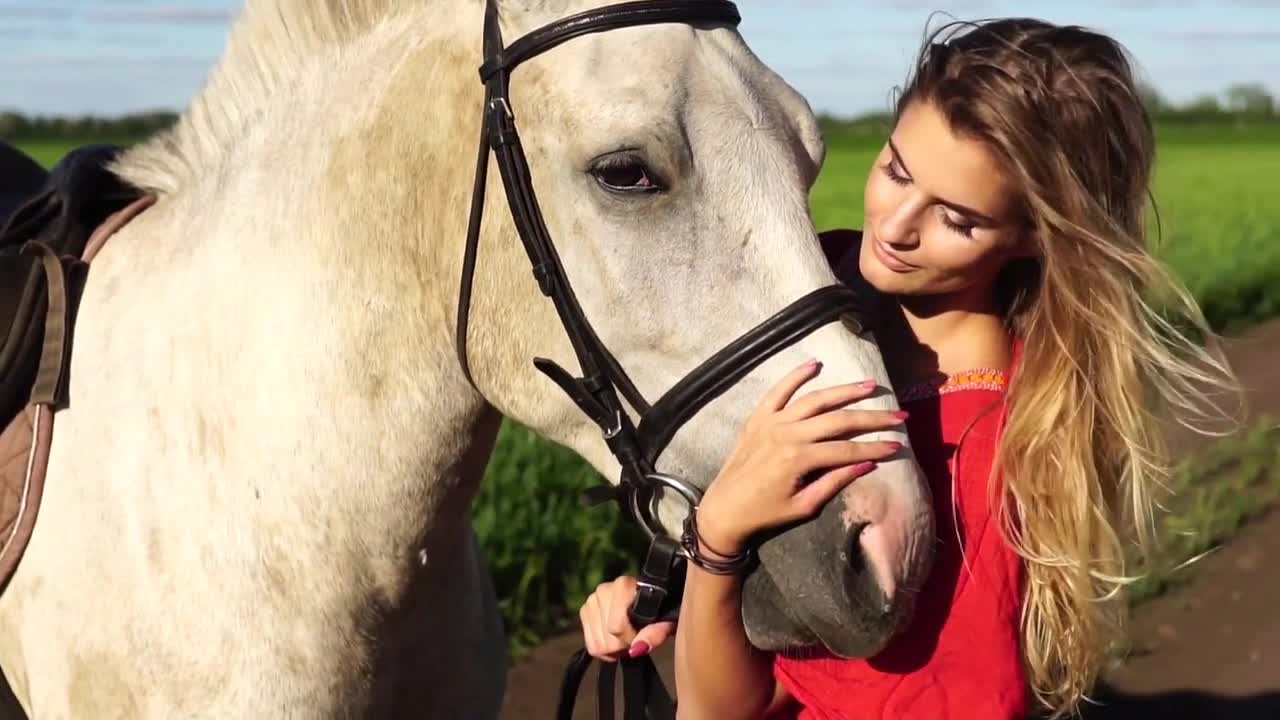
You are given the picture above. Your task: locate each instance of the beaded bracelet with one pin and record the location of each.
(693, 545)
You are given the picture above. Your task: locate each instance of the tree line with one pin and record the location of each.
(18, 126)
(1243, 103)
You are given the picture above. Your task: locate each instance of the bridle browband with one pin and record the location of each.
(596, 392)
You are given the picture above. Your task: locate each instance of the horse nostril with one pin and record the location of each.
(853, 557)
(869, 570)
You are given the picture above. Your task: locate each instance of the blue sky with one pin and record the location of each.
(114, 56)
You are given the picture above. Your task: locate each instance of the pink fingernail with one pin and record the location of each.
(863, 468)
(638, 648)
(902, 415)
(894, 445)
(868, 384)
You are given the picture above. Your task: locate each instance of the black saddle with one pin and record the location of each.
(45, 218)
(20, 178)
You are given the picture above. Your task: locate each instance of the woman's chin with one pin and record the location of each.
(884, 280)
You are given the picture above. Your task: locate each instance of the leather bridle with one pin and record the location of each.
(637, 447)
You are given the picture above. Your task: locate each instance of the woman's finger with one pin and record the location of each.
(841, 424)
(651, 638)
(612, 648)
(617, 623)
(589, 616)
(780, 394)
(604, 645)
(826, 399)
(608, 645)
(837, 453)
(813, 496)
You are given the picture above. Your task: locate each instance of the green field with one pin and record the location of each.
(1220, 230)
(46, 153)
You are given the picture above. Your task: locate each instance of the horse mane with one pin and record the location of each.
(267, 50)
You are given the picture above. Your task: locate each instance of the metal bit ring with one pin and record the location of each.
(686, 490)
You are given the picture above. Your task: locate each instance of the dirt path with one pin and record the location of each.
(1210, 649)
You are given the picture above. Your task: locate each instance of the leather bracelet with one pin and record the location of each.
(693, 544)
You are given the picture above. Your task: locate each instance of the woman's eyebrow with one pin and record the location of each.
(982, 218)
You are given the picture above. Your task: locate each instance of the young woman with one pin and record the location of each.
(1027, 331)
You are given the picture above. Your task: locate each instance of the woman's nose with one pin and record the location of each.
(900, 228)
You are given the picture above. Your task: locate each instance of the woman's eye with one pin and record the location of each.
(628, 176)
(957, 225)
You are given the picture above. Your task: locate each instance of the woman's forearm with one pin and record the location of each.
(719, 675)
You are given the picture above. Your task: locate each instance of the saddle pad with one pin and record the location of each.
(24, 455)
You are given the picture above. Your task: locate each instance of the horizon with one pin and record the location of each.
(121, 57)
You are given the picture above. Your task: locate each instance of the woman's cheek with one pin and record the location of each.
(879, 197)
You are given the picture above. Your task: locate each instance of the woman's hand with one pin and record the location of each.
(607, 630)
(768, 479)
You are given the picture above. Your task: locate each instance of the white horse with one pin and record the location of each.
(258, 501)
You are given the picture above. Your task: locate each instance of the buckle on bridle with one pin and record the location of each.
(660, 582)
(612, 432)
(494, 104)
(647, 607)
(502, 133)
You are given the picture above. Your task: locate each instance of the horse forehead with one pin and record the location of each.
(631, 56)
(710, 78)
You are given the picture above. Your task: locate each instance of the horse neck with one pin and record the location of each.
(389, 199)
(350, 188)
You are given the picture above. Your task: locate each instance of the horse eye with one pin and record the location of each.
(626, 176)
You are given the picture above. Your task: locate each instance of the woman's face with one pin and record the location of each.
(938, 213)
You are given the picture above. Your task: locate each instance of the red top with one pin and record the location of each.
(960, 656)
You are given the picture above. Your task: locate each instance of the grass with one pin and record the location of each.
(546, 552)
(48, 152)
(1220, 231)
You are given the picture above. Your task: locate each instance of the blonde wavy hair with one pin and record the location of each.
(1113, 343)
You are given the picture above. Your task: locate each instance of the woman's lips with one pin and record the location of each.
(889, 260)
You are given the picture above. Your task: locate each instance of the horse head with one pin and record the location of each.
(659, 184)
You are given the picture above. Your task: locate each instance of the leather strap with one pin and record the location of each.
(645, 697)
(595, 391)
(659, 584)
(49, 376)
(722, 370)
(471, 248)
(609, 17)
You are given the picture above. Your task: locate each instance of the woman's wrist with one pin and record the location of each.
(714, 539)
(720, 556)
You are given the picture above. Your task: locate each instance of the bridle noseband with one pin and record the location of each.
(637, 448)
(596, 392)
